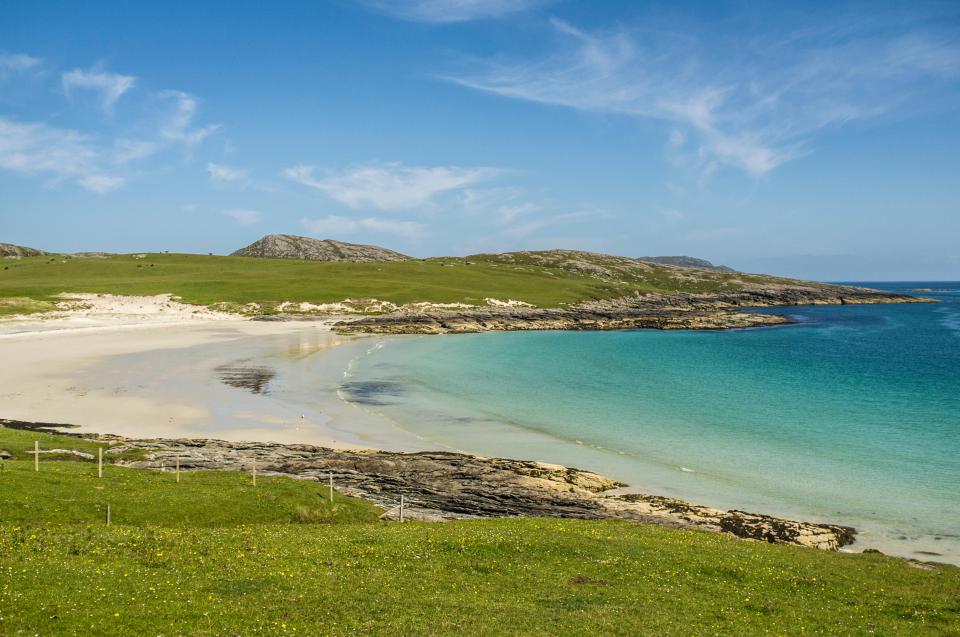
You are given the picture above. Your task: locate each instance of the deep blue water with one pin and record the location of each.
(850, 415)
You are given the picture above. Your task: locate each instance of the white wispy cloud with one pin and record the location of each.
(502, 204)
(111, 86)
(752, 103)
(518, 214)
(96, 158)
(178, 126)
(333, 226)
(34, 148)
(447, 11)
(392, 186)
(11, 63)
(127, 150)
(526, 228)
(244, 217)
(223, 173)
(100, 183)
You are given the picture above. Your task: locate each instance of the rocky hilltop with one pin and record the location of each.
(10, 250)
(440, 485)
(286, 246)
(687, 262)
(662, 272)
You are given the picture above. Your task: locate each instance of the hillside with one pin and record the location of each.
(663, 276)
(687, 262)
(553, 279)
(286, 246)
(11, 250)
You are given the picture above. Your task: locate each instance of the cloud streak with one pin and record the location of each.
(178, 126)
(33, 148)
(111, 86)
(11, 63)
(95, 159)
(450, 11)
(225, 174)
(391, 186)
(753, 103)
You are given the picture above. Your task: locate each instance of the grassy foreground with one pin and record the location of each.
(30, 283)
(215, 556)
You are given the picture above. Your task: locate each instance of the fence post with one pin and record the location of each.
(254, 473)
(99, 462)
(401, 508)
(36, 455)
(108, 514)
(178, 469)
(331, 487)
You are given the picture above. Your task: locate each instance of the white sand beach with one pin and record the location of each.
(152, 367)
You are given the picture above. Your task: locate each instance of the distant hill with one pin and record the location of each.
(10, 250)
(687, 262)
(614, 268)
(286, 246)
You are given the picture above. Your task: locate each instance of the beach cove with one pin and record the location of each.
(298, 382)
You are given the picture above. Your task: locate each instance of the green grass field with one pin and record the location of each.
(29, 284)
(215, 556)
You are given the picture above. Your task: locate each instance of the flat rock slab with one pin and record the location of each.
(443, 486)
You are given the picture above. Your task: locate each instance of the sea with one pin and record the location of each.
(849, 415)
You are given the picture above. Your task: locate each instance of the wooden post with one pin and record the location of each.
(108, 514)
(254, 473)
(331, 487)
(178, 469)
(99, 462)
(401, 508)
(36, 455)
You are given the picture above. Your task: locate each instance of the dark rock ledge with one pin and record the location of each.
(444, 486)
(707, 311)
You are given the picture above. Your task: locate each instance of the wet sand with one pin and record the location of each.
(228, 379)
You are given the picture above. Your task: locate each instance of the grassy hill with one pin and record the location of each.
(214, 555)
(542, 279)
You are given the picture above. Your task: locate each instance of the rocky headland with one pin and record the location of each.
(444, 486)
(687, 262)
(697, 311)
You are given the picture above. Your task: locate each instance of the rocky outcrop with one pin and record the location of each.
(62, 452)
(687, 262)
(15, 251)
(752, 526)
(440, 485)
(444, 486)
(285, 246)
(609, 318)
(707, 311)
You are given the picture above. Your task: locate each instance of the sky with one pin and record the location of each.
(809, 139)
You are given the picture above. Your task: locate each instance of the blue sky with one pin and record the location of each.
(818, 140)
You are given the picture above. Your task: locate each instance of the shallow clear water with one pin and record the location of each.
(852, 415)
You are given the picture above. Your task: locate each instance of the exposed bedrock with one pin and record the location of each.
(442, 485)
(709, 311)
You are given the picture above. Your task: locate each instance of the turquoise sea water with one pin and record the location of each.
(852, 415)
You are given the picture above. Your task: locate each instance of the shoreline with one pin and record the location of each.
(336, 423)
(163, 379)
(441, 486)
